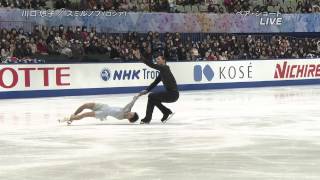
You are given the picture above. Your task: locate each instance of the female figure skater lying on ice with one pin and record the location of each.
(101, 111)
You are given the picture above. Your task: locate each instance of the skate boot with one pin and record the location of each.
(166, 117)
(145, 121)
(66, 119)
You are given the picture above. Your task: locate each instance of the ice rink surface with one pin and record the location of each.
(247, 134)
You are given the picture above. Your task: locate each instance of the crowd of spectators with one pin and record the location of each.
(184, 6)
(24, 4)
(79, 42)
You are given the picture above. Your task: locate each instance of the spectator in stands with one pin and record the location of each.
(78, 34)
(18, 51)
(36, 31)
(175, 48)
(295, 55)
(37, 4)
(5, 48)
(107, 5)
(182, 53)
(308, 6)
(194, 53)
(124, 52)
(115, 48)
(70, 33)
(13, 33)
(84, 33)
(61, 30)
(208, 56)
(92, 4)
(33, 46)
(23, 4)
(44, 33)
(27, 49)
(42, 47)
(50, 37)
(318, 47)
(299, 7)
(59, 4)
(212, 8)
(21, 34)
(223, 56)
(64, 46)
(229, 5)
(77, 49)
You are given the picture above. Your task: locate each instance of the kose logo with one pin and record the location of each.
(125, 74)
(235, 72)
(224, 72)
(206, 71)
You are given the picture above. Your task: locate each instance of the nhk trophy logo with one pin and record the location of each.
(127, 74)
(105, 74)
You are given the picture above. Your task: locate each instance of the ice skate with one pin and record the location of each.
(166, 117)
(66, 119)
(144, 121)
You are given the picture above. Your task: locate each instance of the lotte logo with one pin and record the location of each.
(198, 71)
(11, 77)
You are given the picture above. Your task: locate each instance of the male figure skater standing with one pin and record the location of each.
(155, 99)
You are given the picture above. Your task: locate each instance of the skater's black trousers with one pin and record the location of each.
(156, 99)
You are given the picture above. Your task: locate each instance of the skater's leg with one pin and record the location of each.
(157, 102)
(167, 97)
(149, 111)
(84, 106)
(155, 99)
(83, 115)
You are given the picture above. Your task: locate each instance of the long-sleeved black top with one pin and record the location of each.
(166, 76)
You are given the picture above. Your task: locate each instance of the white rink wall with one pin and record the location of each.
(44, 80)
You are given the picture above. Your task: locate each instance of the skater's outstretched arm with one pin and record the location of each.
(129, 106)
(148, 62)
(154, 84)
(152, 65)
(151, 86)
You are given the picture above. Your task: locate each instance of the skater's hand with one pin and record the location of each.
(143, 92)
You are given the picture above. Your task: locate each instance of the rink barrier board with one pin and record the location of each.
(122, 90)
(113, 78)
(42, 77)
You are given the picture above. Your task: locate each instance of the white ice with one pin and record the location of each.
(247, 134)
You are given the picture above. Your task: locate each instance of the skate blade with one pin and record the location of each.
(65, 120)
(170, 116)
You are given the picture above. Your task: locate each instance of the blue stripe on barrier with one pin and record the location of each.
(119, 90)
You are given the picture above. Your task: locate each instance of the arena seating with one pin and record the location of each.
(181, 6)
